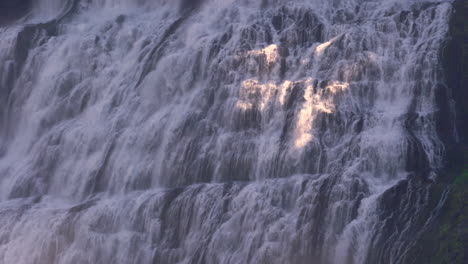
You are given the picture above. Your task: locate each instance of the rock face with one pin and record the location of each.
(11, 10)
(457, 57)
(215, 131)
(445, 240)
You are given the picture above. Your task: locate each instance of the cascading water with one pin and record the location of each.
(217, 131)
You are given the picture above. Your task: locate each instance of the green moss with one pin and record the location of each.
(462, 178)
(453, 232)
(446, 241)
(450, 237)
(444, 229)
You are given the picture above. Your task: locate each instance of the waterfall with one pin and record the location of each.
(218, 131)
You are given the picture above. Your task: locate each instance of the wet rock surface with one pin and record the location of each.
(11, 10)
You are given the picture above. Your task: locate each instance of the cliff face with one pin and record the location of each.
(451, 234)
(446, 239)
(457, 65)
(11, 10)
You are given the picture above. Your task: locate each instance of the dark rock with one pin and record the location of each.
(11, 10)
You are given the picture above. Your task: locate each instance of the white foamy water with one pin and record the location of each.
(216, 131)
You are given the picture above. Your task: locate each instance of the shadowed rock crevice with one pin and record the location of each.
(12, 10)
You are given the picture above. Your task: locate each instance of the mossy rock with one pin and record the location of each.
(445, 239)
(452, 233)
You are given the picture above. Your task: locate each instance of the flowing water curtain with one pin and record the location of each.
(217, 131)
